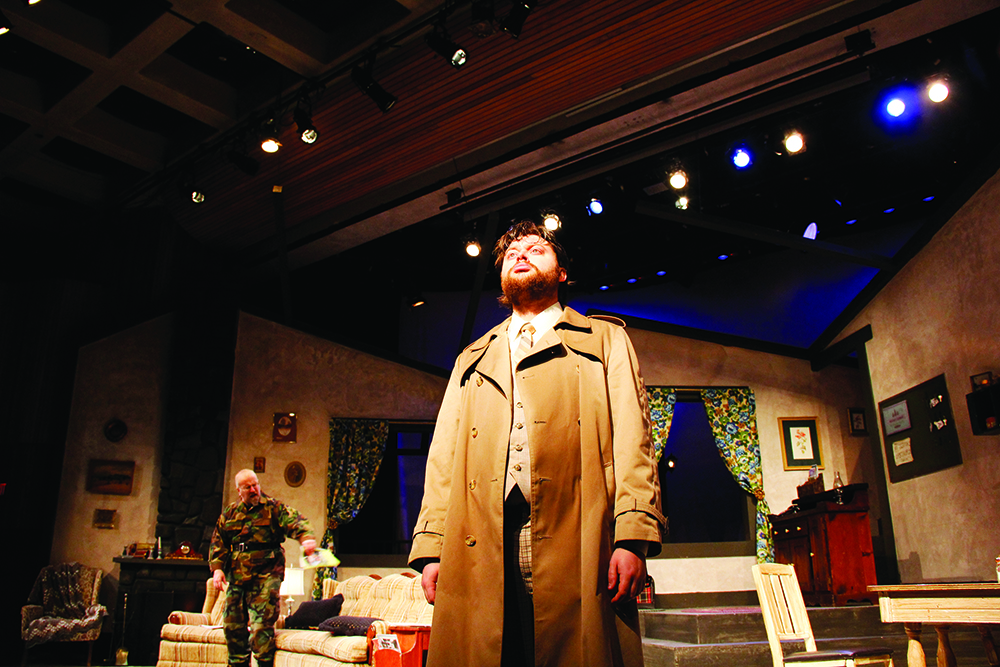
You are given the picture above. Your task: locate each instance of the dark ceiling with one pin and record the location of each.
(111, 112)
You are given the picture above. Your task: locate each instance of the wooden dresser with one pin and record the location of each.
(828, 539)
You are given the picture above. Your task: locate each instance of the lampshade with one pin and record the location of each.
(294, 582)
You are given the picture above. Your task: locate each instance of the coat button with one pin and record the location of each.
(518, 447)
(518, 425)
(519, 404)
(470, 541)
(472, 485)
(475, 432)
(517, 467)
(479, 380)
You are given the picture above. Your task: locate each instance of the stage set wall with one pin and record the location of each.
(120, 377)
(279, 369)
(941, 315)
(783, 387)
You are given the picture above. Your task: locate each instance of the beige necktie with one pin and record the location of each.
(524, 346)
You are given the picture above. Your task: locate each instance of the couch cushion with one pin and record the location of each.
(195, 634)
(315, 642)
(313, 612)
(347, 626)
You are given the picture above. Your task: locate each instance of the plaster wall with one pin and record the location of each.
(124, 377)
(783, 387)
(941, 314)
(278, 369)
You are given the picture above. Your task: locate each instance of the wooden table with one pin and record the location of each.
(940, 605)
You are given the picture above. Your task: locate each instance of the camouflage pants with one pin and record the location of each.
(253, 603)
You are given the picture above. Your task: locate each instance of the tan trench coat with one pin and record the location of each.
(593, 481)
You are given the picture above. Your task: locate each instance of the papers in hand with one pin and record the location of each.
(319, 558)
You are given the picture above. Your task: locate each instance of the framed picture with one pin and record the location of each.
(800, 442)
(259, 464)
(896, 417)
(856, 418)
(111, 477)
(295, 474)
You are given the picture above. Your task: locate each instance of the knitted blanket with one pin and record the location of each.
(64, 592)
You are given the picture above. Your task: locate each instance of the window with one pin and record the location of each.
(385, 524)
(702, 501)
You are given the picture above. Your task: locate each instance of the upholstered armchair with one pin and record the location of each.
(64, 607)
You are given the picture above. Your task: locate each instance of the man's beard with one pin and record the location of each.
(520, 288)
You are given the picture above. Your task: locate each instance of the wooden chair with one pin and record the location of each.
(785, 618)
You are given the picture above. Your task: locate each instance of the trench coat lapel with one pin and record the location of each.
(490, 356)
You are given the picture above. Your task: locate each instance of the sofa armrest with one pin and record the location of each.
(29, 612)
(189, 618)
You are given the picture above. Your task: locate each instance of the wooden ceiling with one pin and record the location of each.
(128, 109)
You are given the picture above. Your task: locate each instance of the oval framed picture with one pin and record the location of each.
(295, 474)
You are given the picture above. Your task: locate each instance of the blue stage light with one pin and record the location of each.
(851, 222)
(742, 158)
(899, 106)
(595, 207)
(811, 231)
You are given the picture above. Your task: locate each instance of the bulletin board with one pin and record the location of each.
(918, 431)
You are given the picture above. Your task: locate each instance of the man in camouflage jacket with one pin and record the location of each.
(246, 550)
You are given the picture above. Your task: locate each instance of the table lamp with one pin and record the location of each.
(293, 584)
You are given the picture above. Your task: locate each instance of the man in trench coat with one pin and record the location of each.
(580, 515)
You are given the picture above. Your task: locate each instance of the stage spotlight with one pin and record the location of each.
(269, 142)
(741, 158)
(303, 121)
(514, 22)
(4, 24)
(551, 221)
(937, 91)
(671, 461)
(472, 248)
(811, 230)
(794, 142)
(723, 257)
(595, 206)
(31, 2)
(197, 196)
(899, 107)
(678, 179)
(682, 203)
(440, 43)
(363, 79)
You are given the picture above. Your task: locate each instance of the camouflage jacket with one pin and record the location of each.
(265, 525)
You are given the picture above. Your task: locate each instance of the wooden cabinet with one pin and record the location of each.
(828, 539)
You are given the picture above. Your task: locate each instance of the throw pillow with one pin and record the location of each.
(343, 626)
(313, 612)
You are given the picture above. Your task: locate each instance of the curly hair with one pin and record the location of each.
(518, 230)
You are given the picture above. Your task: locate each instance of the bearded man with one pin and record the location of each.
(541, 497)
(246, 549)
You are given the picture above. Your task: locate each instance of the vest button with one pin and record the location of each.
(475, 432)
(518, 447)
(472, 485)
(479, 380)
(517, 467)
(470, 541)
(518, 425)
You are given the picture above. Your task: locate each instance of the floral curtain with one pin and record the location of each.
(732, 414)
(356, 450)
(661, 410)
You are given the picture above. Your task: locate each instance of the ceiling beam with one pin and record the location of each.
(758, 233)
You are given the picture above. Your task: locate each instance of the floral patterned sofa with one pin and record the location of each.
(195, 639)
